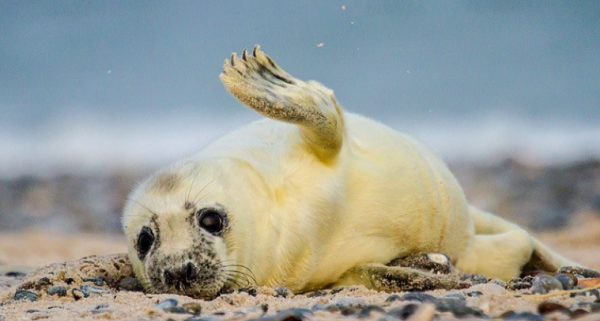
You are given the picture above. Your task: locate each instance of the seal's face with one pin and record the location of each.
(179, 244)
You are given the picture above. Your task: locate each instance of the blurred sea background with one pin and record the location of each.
(94, 95)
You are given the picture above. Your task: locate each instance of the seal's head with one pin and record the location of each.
(179, 231)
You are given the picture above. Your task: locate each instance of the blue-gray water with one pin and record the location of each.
(94, 85)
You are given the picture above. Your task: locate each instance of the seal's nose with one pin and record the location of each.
(184, 274)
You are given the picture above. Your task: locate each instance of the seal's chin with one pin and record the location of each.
(196, 289)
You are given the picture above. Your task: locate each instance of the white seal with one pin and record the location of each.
(311, 197)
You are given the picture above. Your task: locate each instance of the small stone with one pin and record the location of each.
(337, 290)
(131, 284)
(250, 290)
(590, 283)
(366, 311)
(523, 316)
(595, 307)
(474, 294)
(568, 281)
(547, 307)
(101, 306)
(177, 310)
(575, 270)
(317, 293)
(69, 280)
(92, 290)
(473, 279)
(291, 314)
(544, 283)
(393, 297)
(99, 281)
(58, 290)
(194, 307)
(456, 296)
(42, 282)
(25, 295)
(578, 313)
(168, 303)
(417, 296)
(584, 292)
(15, 274)
(79, 294)
(458, 307)
(516, 284)
(404, 312)
(497, 281)
(283, 292)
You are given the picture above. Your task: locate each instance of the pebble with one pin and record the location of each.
(283, 292)
(99, 281)
(523, 316)
(168, 303)
(69, 280)
(131, 284)
(578, 313)
(592, 292)
(366, 311)
(458, 307)
(288, 315)
(177, 310)
(516, 284)
(417, 296)
(404, 312)
(567, 281)
(251, 291)
(547, 307)
(58, 290)
(194, 307)
(25, 295)
(474, 294)
(15, 274)
(42, 282)
(79, 294)
(544, 283)
(317, 293)
(87, 289)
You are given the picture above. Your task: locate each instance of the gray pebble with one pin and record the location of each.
(544, 283)
(283, 292)
(474, 294)
(251, 291)
(15, 274)
(458, 308)
(97, 281)
(417, 296)
(523, 316)
(177, 310)
(25, 295)
(168, 303)
(317, 293)
(456, 296)
(131, 284)
(593, 292)
(93, 290)
(404, 312)
(101, 306)
(288, 315)
(566, 281)
(58, 290)
(366, 311)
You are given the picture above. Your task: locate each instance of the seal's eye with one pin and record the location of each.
(145, 241)
(210, 220)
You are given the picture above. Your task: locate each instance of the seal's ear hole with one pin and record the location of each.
(144, 241)
(211, 220)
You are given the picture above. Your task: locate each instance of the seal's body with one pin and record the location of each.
(308, 198)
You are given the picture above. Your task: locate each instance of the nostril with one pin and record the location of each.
(190, 271)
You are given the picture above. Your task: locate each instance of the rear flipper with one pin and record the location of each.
(503, 250)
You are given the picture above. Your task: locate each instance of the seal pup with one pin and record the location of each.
(312, 197)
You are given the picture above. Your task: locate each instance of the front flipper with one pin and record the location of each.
(397, 278)
(260, 84)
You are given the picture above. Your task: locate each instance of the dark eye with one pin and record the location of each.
(145, 241)
(210, 220)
